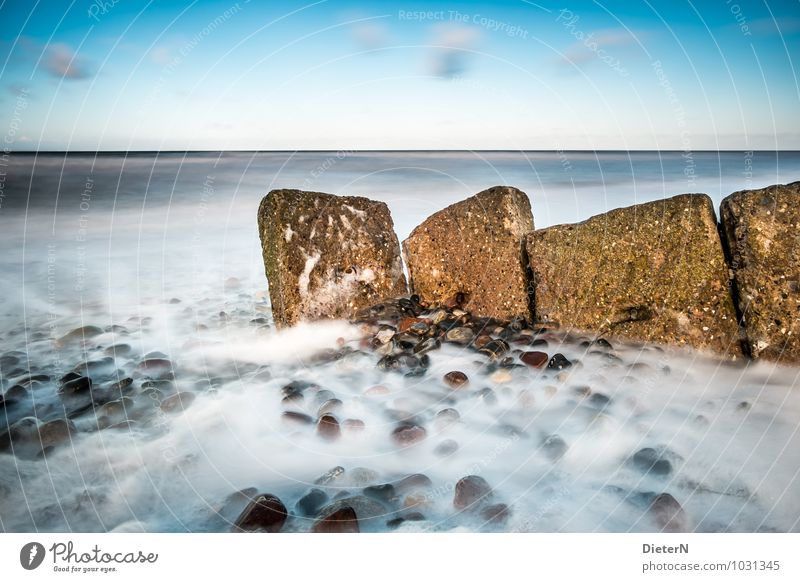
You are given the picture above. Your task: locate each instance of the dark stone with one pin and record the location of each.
(554, 447)
(328, 428)
(296, 418)
(385, 493)
(265, 513)
(330, 476)
(414, 482)
(668, 514)
(496, 514)
(456, 379)
(75, 386)
(460, 335)
(651, 461)
(534, 359)
(408, 434)
(177, 402)
(310, 503)
(558, 362)
(344, 520)
(470, 492)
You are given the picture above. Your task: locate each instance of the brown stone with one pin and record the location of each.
(470, 492)
(408, 434)
(668, 514)
(762, 230)
(178, 402)
(653, 272)
(535, 359)
(456, 379)
(342, 521)
(474, 248)
(327, 256)
(328, 428)
(265, 513)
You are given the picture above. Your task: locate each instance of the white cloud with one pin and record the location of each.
(451, 44)
(60, 61)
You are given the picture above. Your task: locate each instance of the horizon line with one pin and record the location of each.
(360, 151)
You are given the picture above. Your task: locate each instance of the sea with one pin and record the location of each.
(157, 255)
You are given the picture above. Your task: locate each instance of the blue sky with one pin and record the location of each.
(508, 74)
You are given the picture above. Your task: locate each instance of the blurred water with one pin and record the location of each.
(162, 252)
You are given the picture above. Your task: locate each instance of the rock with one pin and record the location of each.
(558, 362)
(446, 448)
(79, 335)
(370, 513)
(447, 417)
(496, 514)
(554, 447)
(330, 406)
(265, 513)
(328, 427)
(343, 520)
(474, 247)
(410, 516)
(310, 503)
(459, 335)
(668, 514)
(654, 272)
(330, 476)
(470, 492)
(495, 349)
(385, 493)
(456, 379)
(415, 482)
(649, 460)
(408, 434)
(177, 402)
(762, 231)
(293, 418)
(353, 425)
(327, 256)
(55, 432)
(75, 385)
(534, 359)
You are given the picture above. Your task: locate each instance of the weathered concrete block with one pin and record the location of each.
(474, 247)
(652, 272)
(327, 256)
(762, 230)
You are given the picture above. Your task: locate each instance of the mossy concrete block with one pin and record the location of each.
(327, 256)
(474, 247)
(762, 230)
(652, 272)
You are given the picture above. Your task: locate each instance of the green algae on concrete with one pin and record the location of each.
(327, 256)
(762, 230)
(651, 272)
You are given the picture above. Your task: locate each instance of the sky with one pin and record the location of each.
(340, 75)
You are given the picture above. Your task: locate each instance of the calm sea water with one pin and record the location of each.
(161, 252)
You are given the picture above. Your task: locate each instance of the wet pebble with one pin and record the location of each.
(294, 418)
(651, 461)
(310, 503)
(415, 482)
(343, 520)
(385, 493)
(558, 362)
(668, 514)
(471, 491)
(534, 359)
(446, 448)
(177, 402)
(554, 447)
(266, 513)
(353, 425)
(328, 428)
(460, 335)
(496, 514)
(456, 379)
(330, 476)
(408, 434)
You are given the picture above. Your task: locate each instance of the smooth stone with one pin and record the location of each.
(74, 386)
(427, 345)
(377, 391)
(495, 349)
(343, 520)
(649, 460)
(177, 402)
(446, 448)
(668, 514)
(488, 396)
(265, 513)
(456, 379)
(330, 406)
(330, 476)
(447, 417)
(460, 335)
(323, 396)
(361, 476)
(292, 417)
(534, 359)
(414, 482)
(408, 434)
(328, 428)
(55, 432)
(80, 334)
(599, 400)
(554, 447)
(410, 516)
(471, 491)
(310, 503)
(353, 425)
(385, 493)
(497, 513)
(558, 362)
